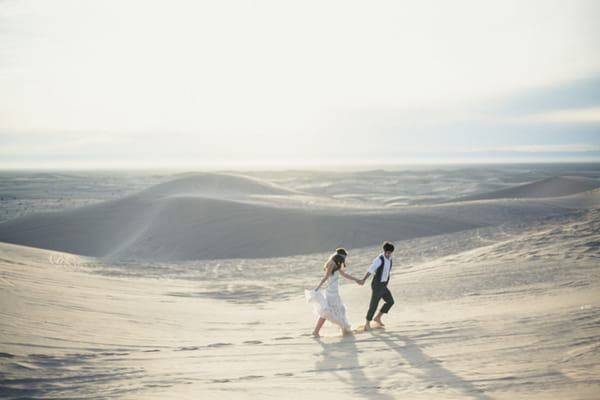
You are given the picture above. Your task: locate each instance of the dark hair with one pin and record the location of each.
(341, 251)
(387, 246)
(339, 258)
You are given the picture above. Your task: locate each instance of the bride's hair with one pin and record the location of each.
(339, 258)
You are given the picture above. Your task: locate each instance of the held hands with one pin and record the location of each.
(360, 281)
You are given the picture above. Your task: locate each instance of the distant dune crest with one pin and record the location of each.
(550, 187)
(216, 184)
(212, 216)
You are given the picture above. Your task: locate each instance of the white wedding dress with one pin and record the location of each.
(329, 306)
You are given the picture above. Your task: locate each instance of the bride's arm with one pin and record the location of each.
(347, 276)
(327, 273)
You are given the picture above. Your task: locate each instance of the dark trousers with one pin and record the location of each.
(379, 291)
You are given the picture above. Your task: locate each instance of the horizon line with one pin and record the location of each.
(27, 167)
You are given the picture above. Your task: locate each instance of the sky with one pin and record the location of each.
(147, 83)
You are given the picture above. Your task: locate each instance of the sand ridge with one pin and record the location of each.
(558, 186)
(208, 216)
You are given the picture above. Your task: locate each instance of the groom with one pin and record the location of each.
(381, 268)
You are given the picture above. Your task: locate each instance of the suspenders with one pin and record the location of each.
(380, 269)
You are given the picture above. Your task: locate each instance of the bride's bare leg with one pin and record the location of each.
(320, 323)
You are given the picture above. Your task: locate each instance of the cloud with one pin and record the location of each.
(582, 115)
(579, 94)
(542, 148)
(267, 80)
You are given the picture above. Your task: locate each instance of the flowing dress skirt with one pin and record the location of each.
(329, 306)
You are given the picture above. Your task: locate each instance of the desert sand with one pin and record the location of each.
(191, 286)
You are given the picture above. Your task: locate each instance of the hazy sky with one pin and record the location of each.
(140, 83)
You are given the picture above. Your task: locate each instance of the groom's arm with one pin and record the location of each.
(362, 281)
(371, 269)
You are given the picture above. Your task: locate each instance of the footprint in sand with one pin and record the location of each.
(191, 348)
(243, 378)
(41, 356)
(220, 344)
(252, 342)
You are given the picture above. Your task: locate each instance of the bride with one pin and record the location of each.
(331, 307)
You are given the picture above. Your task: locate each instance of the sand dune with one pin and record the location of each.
(514, 317)
(185, 228)
(211, 216)
(495, 298)
(550, 187)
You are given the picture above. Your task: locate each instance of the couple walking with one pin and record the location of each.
(330, 307)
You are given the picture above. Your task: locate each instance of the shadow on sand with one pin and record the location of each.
(340, 359)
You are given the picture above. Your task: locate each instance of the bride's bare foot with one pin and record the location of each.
(316, 335)
(347, 332)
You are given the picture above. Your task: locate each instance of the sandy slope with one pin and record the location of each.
(513, 317)
(496, 298)
(211, 216)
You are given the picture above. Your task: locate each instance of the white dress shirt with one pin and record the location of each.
(387, 264)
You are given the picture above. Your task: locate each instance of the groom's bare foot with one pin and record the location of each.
(367, 326)
(378, 320)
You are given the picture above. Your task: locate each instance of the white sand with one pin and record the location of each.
(495, 298)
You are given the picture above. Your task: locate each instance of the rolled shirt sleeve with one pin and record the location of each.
(373, 268)
(385, 273)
